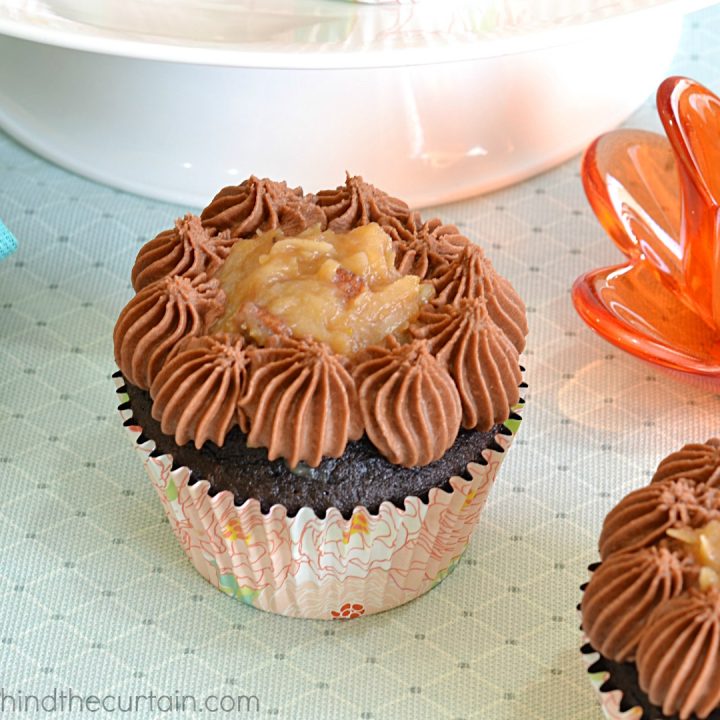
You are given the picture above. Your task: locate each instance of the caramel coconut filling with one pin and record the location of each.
(341, 289)
(704, 544)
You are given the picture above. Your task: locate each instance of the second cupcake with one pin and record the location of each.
(652, 607)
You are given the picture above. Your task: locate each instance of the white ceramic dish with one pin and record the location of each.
(433, 102)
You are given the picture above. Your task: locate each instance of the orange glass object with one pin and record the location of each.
(659, 200)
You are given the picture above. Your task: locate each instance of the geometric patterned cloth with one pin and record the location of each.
(96, 595)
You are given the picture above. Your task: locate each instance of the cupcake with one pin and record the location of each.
(651, 611)
(322, 388)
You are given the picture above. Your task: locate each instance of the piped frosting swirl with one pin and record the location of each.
(359, 203)
(470, 275)
(196, 394)
(159, 317)
(678, 659)
(623, 592)
(480, 358)
(430, 251)
(644, 516)
(259, 205)
(409, 403)
(187, 250)
(301, 401)
(696, 461)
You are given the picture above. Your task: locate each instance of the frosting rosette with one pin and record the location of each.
(644, 516)
(678, 659)
(358, 203)
(623, 592)
(409, 403)
(259, 205)
(301, 401)
(158, 318)
(469, 276)
(187, 250)
(429, 251)
(652, 607)
(196, 394)
(695, 461)
(479, 357)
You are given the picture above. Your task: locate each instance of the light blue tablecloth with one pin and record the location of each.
(97, 596)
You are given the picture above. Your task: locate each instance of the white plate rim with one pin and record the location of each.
(89, 38)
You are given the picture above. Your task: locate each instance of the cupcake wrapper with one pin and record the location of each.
(610, 700)
(329, 568)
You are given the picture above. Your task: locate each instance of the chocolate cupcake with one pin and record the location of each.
(322, 388)
(651, 611)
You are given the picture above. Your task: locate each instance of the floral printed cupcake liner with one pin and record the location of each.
(329, 568)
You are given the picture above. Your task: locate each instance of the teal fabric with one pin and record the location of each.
(95, 592)
(8, 244)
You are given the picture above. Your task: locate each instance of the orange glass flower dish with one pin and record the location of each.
(659, 200)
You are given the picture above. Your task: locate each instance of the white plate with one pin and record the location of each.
(313, 33)
(432, 102)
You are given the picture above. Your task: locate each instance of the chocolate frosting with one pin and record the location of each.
(259, 205)
(296, 397)
(409, 403)
(196, 393)
(158, 318)
(623, 592)
(301, 401)
(470, 275)
(430, 251)
(643, 517)
(187, 250)
(358, 203)
(480, 358)
(696, 461)
(400, 231)
(678, 659)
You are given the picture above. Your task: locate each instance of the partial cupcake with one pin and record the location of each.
(652, 607)
(328, 359)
